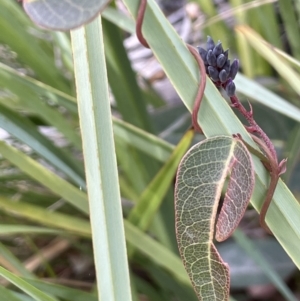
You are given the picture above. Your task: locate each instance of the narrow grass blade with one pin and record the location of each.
(291, 25)
(27, 94)
(266, 97)
(63, 292)
(128, 96)
(23, 129)
(24, 229)
(26, 287)
(7, 295)
(122, 21)
(245, 53)
(100, 163)
(265, 50)
(147, 143)
(146, 207)
(149, 247)
(61, 187)
(293, 151)
(208, 7)
(144, 141)
(45, 217)
(12, 263)
(252, 251)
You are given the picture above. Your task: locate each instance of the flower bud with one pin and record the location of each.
(227, 66)
(203, 54)
(210, 44)
(226, 53)
(230, 88)
(221, 60)
(218, 49)
(211, 58)
(213, 73)
(223, 76)
(234, 69)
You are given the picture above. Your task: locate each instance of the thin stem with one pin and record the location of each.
(201, 88)
(254, 127)
(139, 23)
(273, 168)
(264, 142)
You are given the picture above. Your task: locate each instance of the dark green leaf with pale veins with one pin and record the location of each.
(200, 179)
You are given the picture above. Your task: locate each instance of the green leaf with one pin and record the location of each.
(62, 14)
(200, 179)
(100, 163)
(25, 286)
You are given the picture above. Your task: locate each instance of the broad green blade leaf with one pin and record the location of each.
(25, 286)
(200, 179)
(100, 163)
(63, 14)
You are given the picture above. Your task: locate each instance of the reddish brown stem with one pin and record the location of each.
(139, 23)
(201, 88)
(264, 142)
(273, 168)
(254, 127)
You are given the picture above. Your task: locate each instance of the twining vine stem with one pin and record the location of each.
(214, 62)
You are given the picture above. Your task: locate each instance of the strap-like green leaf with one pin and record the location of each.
(200, 179)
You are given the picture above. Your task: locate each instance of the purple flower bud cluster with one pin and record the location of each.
(218, 65)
